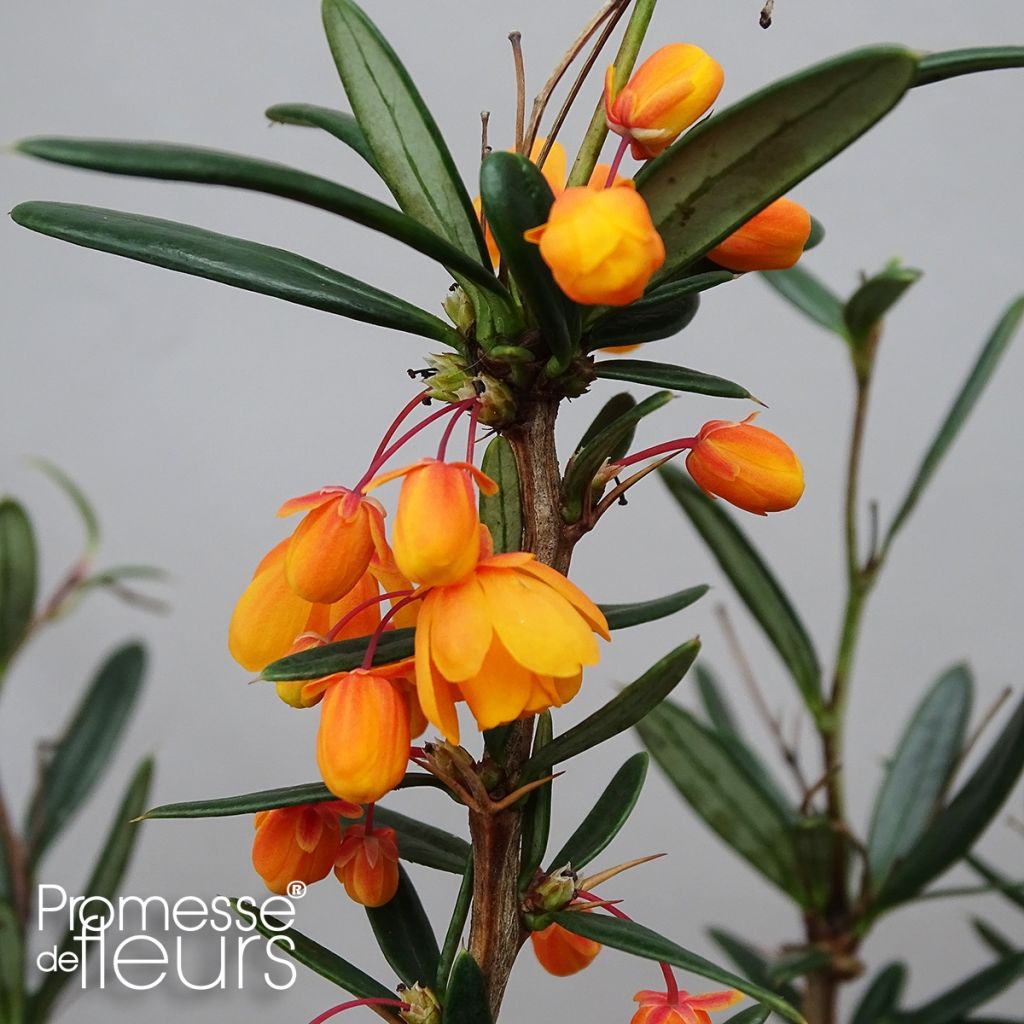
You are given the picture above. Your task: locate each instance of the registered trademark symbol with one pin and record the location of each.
(296, 889)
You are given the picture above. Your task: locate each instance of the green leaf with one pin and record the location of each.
(881, 998)
(971, 993)
(937, 67)
(341, 125)
(667, 375)
(817, 235)
(250, 266)
(515, 198)
(809, 295)
(502, 513)
(698, 764)
(18, 578)
(311, 954)
(919, 772)
(953, 832)
(616, 407)
(606, 817)
(86, 748)
(996, 941)
(77, 497)
(716, 707)
(537, 813)
(599, 448)
(105, 881)
(456, 926)
(1011, 890)
(865, 309)
(973, 386)
(634, 938)
(171, 162)
(751, 1015)
(644, 320)
(635, 613)
(717, 176)
(12, 965)
(754, 583)
(800, 964)
(466, 1001)
(404, 935)
(342, 656)
(622, 712)
(420, 843)
(753, 964)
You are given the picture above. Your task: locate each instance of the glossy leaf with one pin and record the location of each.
(754, 964)
(919, 771)
(341, 125)
(466, 1001)
(420, 843)
(809, 295)
(754, 583)
(716, 706)
(751, 1015)
(668, 375)
(717, 176)
(77, 497)
(250, 266)
(971, 993)
(612, 410)
(996, 941)
(18, 578)
(502, 513)
(641, 322)
(869, 304)
(634, 938)
(342, 656)
(622, 712)
(85, 750)
(636, 613)
(799, 964)
(953, 832)
(881, 998)
(537, 812)
(404, 935)
(456, 926)
(1009, 889)
(937, 67)
(977, 379)
(606, 817)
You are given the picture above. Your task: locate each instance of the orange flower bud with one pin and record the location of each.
(773, 239)
(749, 467)
(367, 865)
(560, 952)
(680, 1007)
(668, 92)
(601, 245)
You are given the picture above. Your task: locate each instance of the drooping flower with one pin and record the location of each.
(680, 1007)
(773, 239)
(561, 952)
(674, 87)
(511, 638)
(298, 844)
(600, 244)
(748, 466)
(367, 865)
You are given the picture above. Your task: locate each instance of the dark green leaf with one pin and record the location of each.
(616, 407)
(86, 748)
(809, 295)
(342, 656)
(953, 832)
(12, 965)
(817, 235)
(717, 176)
(621, 713)
(250, 266)
(971, 993)
(420, 843)
(751, 1015)
(919, 771)
(881, 998)
(800, 964)
(999, 943)
(502, 513)
(1011, 890)
(404, 935)
(977, 379)
(77, 497)
(341, 125)
(622, 616)
(641, 322)
(515, 198)
(18, 578)
(634, 938)
(937, 67)
(754, 583)
(466, 1001)
(667, 375)
(606, 817)
(865, 309)
(716, 707)
(456, 926)
(753, 964)
(537, 813)
(602, 446)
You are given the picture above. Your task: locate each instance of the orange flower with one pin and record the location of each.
(668, 92)
(773, 239)
(560, 952)
(601, 245)
(298, 844)
(511, 638)
(749, 467)
(680, 1007)
(367, 865)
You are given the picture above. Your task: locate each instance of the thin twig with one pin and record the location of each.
(485, 118)
(614, 495)
(516, 39)
(816, 787)
(982, 725)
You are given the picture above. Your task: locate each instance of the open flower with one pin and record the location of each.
(561, 952)
(773, 239)
(680, 1007)
(367, 865)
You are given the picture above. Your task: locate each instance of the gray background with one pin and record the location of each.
(189, 411)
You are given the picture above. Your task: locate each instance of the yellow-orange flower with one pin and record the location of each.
(668, 92)
(298, 844)
(747, 466)
(600, 244)
(511, 638)
(680, 1007)
(561, 952)
(367, 865)
(773, 239)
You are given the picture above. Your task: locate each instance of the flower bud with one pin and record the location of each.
(555, 891)
(749, 467)
(600, 245)
(561, 952)
(367, 865)
(668, 92)
(773, 239)
(423, 1005)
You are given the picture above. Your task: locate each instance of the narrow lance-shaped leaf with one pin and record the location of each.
(809, 295)
(18, 578)
(937, 67)
(1009, 889)
(502, 513)
(83, 506)
(612, 410)
(456, 926)
(422, 843)
(971, 993)
(342, 656)
(250, 266)
(666, 295)
(668, 375)
(866, 308)
(642, 322)
(404, 935)
(753, 963)
(751, 1015)
(341, 125)
(635, 613)
(466, 1000)
(996, 941)
(882, 997)
(537, 814)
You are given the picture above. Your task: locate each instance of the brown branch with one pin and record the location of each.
(516, 39)
(972, 740)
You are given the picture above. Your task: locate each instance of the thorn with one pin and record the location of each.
(519, 793)
(602, 876)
